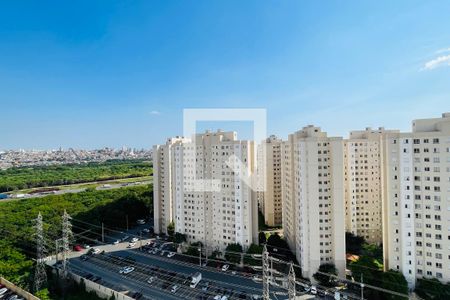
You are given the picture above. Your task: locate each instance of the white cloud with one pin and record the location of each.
(437, 62)
(444, 50)
(155, 112)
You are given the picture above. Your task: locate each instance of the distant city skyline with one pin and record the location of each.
(87, 76)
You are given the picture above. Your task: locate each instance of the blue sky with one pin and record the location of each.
(89, 74)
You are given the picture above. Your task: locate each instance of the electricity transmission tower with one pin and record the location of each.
(66, 237)
(40, 276)
(266, 273)
(291, 282)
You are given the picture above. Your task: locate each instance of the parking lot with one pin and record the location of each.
(162, 280)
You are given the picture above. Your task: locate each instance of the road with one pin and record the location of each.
(74, 190)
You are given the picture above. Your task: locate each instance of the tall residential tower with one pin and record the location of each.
(211, 202)
(313, 199)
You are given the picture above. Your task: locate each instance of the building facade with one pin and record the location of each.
(163, 208)
(416, 238)
(364, 194)
(313, 199)
(269, 167)
(210, 200)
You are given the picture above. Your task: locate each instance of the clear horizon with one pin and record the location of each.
(91, 75)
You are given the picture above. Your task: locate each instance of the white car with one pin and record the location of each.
(131, 245)
(256, 278)
(126, 270)
(175, 289)
(151, 279)
(134, 240)
(140, 222)
(3, 290)
(225, 268)
(95, 251)
(313, 290)
(171, 254)
(116, 242)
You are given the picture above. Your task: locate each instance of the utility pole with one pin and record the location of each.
(103, 233)
(266, 275)
(200, 256)
(362, 287)
(66, 236)
(291, 283)
(40, 275)
(127, 221)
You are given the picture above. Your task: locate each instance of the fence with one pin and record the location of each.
(101, 291)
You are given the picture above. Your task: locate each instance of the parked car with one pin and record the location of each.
(116, 242)
(94, 251)
(171, 254)
(175, 288)
(225, 268)
(126, 270)
(140, 222)
(78, 248)
(151, 279)
(134, 240)
(313, 290)
(131, 245)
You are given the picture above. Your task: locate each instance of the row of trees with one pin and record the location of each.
(46, 176)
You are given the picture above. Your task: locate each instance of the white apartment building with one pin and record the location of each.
(313, 199)
(163, 209)
(364, 194)
(269, 167)
(210, 201)
(417, 212)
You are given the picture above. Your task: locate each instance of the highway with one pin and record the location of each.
(103, 187)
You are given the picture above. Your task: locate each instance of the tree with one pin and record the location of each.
(171, 230)
(374, 251)
(43, 294)
(179, 238)
(353, 243)
(394, 281)
(249, 259)
(232, 253)
(215, 254)
(323, 279)
(262, 238)
(276, 241)
(432, 289)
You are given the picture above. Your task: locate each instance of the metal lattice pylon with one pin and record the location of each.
(266, 273)
(40, 275)
(291, 282)
(66, 237)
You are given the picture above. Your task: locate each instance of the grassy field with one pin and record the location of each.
(28, 178)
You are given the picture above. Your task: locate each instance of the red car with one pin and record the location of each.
(78, 248)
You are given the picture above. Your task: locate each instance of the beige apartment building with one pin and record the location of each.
(163, 208)
(313, 199)
(417, 211)
(364, 195)
(204, 184)
(269, 173)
